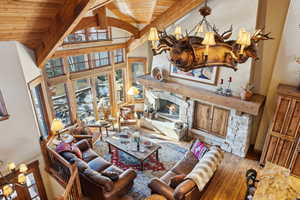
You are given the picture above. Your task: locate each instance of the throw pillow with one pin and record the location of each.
(77, 151)
(199, 149)
(111, 175)
(176, 180)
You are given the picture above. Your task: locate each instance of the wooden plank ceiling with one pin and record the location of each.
(32, 22)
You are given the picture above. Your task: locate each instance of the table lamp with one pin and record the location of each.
(56, 127)
(133, 91)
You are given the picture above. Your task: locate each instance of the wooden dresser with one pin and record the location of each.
(282, 145)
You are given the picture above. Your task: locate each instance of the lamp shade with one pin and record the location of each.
(199, 29)
(209, 39)
(244, 38)
(7, 190)
(11, 166)
(23, 168)
(57, 125)
(153, 35)
(177, 32)
(133, 91)
(21, 178)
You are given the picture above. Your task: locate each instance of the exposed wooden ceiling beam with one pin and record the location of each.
(114, 9)
(92, 21)
(100, 13)
(175, 12)
(86, 50)
(64, 22)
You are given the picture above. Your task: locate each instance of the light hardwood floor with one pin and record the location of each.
(229, 181)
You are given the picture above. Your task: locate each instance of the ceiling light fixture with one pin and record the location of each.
(193, 51)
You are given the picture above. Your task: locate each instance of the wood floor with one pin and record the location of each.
(229, 182)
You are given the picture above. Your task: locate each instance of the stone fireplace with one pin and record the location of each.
(238, 129)
(215, 119)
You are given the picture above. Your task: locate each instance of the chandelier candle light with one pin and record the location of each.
(194, 51)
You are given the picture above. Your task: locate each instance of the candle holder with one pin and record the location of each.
(220, 88)
(228, 91)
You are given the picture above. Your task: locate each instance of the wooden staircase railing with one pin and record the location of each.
(64, 172)
(73, 189)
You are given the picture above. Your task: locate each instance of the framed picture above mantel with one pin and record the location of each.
(208, 75)
(3, 111)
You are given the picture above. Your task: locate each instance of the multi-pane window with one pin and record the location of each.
(137, 69)
(54, 67)
(119, 57)
(91, 34)
(101, 58)
(78, 63)
(84, 100)
(61, 104)
(119, 86)
(103, 96)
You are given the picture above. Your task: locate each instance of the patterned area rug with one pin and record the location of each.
(169, 154)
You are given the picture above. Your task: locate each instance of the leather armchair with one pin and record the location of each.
(94, 185)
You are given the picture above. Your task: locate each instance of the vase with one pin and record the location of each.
(246, 95)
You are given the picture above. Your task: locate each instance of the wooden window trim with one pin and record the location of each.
(91, 73)
(130, 78)
(3, 108)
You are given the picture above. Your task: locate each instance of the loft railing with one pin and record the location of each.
(86, 36)
(56, 165)
(73, 189)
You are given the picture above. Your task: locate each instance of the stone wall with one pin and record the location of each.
(237, 140)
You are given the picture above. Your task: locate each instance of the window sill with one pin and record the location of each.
(4, 118)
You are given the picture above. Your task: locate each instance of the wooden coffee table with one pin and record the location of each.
(129, 147)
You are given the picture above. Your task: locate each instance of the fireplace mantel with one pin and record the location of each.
(252, 107)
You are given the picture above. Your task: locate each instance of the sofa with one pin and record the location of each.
(91, 167)
(187, 189)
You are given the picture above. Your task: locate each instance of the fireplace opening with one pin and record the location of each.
(168, 109)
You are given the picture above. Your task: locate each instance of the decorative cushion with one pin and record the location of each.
(77, 151)
(61, 147)
(81, 165)
(89, 155)
(98, 164)
(68, 155)
(199, 149)
(176, 180)
(186, 165)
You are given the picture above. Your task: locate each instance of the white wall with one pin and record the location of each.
(285, 70)
(239, 13)
(19, 134)
(19, 140)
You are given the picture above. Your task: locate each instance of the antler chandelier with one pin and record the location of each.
(214, 49)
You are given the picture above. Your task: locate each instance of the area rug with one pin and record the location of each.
(169, 154)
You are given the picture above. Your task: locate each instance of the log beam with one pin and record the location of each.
(63, 24)
(92, 21)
